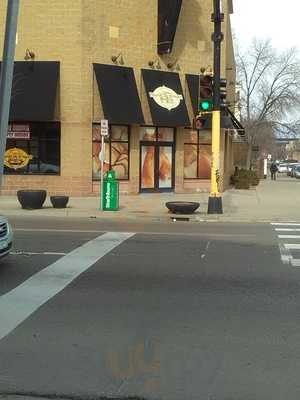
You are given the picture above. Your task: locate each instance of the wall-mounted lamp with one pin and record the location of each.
(173, 65)
(206, 70)
(154, 64)
(118, 59)
(29, 55)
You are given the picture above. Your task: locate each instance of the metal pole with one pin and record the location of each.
(215, 199)
(102, 166)
(6, 78)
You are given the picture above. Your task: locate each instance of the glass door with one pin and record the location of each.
(165, 167)
(147, 168)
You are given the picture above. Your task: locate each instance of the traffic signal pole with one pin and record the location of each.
(215, 198)
(6, 77)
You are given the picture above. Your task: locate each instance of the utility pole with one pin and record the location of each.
(215, 199)
(6, 77)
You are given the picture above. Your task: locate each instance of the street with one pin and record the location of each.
(167, 311)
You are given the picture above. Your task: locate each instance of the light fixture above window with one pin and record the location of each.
(118, 59)
(154, 64)
(29, 55)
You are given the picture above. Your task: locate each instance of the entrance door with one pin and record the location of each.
(157, 167)
(157, 158)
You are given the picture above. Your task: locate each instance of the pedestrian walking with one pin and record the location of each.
(273, 170)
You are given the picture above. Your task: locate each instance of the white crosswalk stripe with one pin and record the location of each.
(289, 243)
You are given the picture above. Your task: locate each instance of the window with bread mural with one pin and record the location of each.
(116, 151)
(33, 149)
(197, 154)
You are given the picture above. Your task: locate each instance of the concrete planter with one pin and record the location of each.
(182, 207)
(59, 201)
(31, 199)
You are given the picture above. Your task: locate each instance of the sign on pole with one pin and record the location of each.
(104, 132)
(104, 127)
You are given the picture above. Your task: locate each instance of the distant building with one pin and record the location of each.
(293, 149)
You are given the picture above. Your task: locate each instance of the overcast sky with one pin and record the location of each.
(277, 20)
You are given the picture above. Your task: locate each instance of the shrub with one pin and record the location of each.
(242, 183)
(254, 179)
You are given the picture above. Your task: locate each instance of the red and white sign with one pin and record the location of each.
(18, 131)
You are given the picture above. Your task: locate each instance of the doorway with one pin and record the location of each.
(157, 160)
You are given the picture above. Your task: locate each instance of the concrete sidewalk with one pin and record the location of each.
(270, 201)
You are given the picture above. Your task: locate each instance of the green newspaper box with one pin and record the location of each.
(110, 192)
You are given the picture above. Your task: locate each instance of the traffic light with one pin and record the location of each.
(223, 93)
(199, 122)
(206, 93)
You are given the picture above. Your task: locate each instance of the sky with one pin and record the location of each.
(272, 19)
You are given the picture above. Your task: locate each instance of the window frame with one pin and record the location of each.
(108, 140)
(198, 144)
(40, 138)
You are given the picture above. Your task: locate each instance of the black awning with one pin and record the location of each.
(34, 90)
(119, 95)
(165, 97)
(168, 15)
(193, 82)
(236, 123)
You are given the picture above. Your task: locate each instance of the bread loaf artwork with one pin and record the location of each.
(116, 152)
(197, 161)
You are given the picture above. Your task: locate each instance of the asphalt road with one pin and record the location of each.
(160, 311)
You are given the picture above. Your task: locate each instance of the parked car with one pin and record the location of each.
(293, 168)
(6, 237)
(290, 167)
(282, 167)
(297, 172)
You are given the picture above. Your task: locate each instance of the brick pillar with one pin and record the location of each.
(134, 168)
(179, 161)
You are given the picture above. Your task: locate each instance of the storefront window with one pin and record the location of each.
(150, 134)
(33, 148)
(197, 155)
(116, 151)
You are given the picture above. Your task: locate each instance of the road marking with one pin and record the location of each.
(295, 262)
(285, 253)
(205, 250)
(286, 248)
(287, 229)
(288, 236)
(33, 253)
(18, 304)
(284, 224)
(56, 230)
(163, 233)
(292, 246)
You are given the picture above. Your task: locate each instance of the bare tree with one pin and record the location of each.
(270, 92)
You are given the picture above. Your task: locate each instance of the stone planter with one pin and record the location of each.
(182, 207)
(31, 199)
(59, 201)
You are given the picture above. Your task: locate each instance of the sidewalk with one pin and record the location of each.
(270, 201)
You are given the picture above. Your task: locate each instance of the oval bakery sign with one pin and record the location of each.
(16, 158)
(166, 97)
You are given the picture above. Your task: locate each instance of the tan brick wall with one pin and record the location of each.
(79, 33)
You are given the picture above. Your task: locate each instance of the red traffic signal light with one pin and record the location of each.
(199, 123)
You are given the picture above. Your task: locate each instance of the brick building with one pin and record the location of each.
(133, 62)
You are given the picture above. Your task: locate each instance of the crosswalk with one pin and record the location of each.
(288, 235)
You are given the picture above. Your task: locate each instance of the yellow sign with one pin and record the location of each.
(16, 158)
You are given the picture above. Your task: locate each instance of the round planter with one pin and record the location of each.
(182, 207)
(59, 201)
(31, 199)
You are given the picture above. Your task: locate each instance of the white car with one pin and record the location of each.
(282, 167)
(6, 237)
